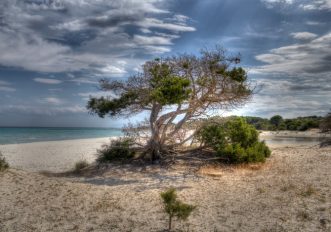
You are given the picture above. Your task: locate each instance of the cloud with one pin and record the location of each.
(314, 23)
(303, 35)
(53, 101)
(85, 35)
(317, 5)
(278, 1)
(273, 3)
(47, 81)
(308, 58)
(6, 87)
(83, 80)
(307, 5)
(290, 97)
(39, 110)
(153, 40)
(4, 82)
(86, 95)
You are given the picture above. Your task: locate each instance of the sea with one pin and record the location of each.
(16, 135)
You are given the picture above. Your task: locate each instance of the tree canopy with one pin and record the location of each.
(325, 125)
(176, 90)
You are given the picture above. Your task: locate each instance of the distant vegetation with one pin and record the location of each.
(325, 124)
(325, 127)
(276, 122)
(3, 163)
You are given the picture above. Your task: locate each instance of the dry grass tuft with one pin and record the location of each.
(308, 191)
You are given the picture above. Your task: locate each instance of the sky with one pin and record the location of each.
(53, 52)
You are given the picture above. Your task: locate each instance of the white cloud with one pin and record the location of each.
(7, 89)
(39, 110)
(156, 23)
(314, 23)
(75, 25)
(308, 58)
(278, 1)
(47, 81)
(317, 5)
(84, 80)
(4, 82)
(273, 3)
(111, 69)
(53, 101)
(303, 35)
(5, 86)
(152, 40)
(38, 39)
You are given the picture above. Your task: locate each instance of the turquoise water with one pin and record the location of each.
(13, 135)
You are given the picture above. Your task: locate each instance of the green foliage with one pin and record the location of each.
(213, 135)
(325, 127)
(235, 141)
(168, 89)
(239, 131)
(326, 123)
(119, 150)
(293, 124)
(276, 120)
(174, 207)
(103, 106)
(238, 74)
(80, 165)
(3, 163)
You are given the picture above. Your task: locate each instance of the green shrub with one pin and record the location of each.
(119, 149)
(3, 163)
(80, 165)
(235, 141)
(174, 207)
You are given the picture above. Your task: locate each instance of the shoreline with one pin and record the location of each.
(59, 140)
(61, 155)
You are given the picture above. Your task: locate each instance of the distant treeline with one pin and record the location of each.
(276, 122)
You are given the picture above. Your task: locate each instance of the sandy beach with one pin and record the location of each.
(54, 156)
(290, 192)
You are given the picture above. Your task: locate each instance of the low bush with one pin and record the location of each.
(174, 207)
(3, 163)
(80, 165)
(234, 141)
(118, 150)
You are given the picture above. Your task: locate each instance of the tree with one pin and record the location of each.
(325, 127)
(325, 124)
(276, 120)
(174, 207)
(175, 90)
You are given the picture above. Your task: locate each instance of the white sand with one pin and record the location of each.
(53, 156)
(59, 156)
(290, 192)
